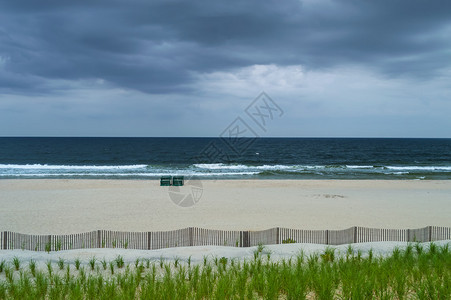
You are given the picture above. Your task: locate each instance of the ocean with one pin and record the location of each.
(216, 158)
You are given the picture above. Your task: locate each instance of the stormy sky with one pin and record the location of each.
(343, 68)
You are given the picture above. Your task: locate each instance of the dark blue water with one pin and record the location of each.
(283, 158)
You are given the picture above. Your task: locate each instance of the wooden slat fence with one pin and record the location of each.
(120, 239)
(439, 233)
(418, 235)
(74, 241)
(169, 239)
(265, 237)
(205, 237)
(193, 236)
(378, 235)
(340, 237)
(302, 236)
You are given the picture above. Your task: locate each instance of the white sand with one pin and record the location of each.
(197, 254)
(73, 206)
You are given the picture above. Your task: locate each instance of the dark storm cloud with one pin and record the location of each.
(157, 46)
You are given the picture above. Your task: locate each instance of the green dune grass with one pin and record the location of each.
(411, 273)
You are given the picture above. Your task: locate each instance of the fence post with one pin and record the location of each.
(191, 239)
(149, 239)
(5, 240)
(355, 234)
(277, 235)
(430, 233)
(244, 236)
(98, 239)
(327, 237)
(408, 235)
(50, 242)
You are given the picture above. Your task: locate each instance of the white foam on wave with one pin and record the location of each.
(359, 167)
(220, 166)
(420, 168)
(69, 167)
(276, 167)
(203, 170)
(176, 173)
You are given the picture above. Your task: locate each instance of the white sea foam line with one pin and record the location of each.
(276, 167)
(359, 167)
(66, 167)
(127, 174)
(424, 168)
(219, 166)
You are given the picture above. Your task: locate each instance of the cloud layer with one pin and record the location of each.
(191, 56)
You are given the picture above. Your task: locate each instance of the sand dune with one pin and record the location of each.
(196, 254)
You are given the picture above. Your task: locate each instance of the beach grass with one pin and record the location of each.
(413, 272)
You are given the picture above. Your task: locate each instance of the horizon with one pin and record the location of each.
(218, 137)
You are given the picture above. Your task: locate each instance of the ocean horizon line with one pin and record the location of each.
(218, 137)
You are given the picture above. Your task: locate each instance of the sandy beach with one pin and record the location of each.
(73, 206)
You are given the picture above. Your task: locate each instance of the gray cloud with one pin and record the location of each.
(157, 46)
(188, 68)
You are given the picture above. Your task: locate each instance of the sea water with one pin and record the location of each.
(216, 158)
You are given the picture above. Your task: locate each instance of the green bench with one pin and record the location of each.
(166, 181)
(170, 180)
(177, 181)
